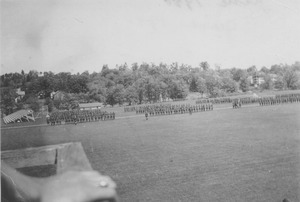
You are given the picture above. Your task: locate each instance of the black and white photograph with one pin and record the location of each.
(150, 100)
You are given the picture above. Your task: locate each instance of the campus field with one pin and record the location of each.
(247, 154)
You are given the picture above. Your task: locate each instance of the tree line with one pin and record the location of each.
(139, 83)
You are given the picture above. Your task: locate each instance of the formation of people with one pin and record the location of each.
(79, 116)
(279, 99)
(243, 100)
(130, 109)
(269, 100)
(219, 100)
(142, 107)
(291, 97)
(247, 100)
(137, 107)
(207, 104)
(168, 109)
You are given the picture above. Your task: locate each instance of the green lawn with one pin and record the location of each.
(247, 154)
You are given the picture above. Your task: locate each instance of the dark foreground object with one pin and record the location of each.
(68, 161)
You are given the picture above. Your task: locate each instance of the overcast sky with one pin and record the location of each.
(74, 36)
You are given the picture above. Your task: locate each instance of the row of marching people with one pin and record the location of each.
(155, 107)
(161, 107)
(278, 100)
(180, 109)
(292, 97)
(130, 109)
(289, 95)
(78, 116)
(220, 100)
(243, 100)
(145, 107)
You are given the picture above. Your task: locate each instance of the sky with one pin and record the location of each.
(76, 35)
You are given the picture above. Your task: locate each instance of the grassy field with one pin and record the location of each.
(247, 154)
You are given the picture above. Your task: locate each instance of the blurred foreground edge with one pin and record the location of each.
(64, 157)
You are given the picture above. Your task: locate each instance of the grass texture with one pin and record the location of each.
(247, 154)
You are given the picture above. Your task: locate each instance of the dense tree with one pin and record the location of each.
(296, 66)
(178, 90)
(134, 67)
(97, 89)
(123, 68)
(252, 70)
(193, 85)
(63, 81)
(204, 66)
(229, 85)
(244, 84)
(115, 95)
(32, 102)
(77, 84)
(142, 83)
(163, 90)
(268, 83)
(45, 84)
(8, 96)
(279, 83)
(104, 70)
(150, 89)
(32, 75)
(213, 83)
(201, 85)
(174, 67)
(290, 77)
(277, 69)
(131, 95)
(238, 74)
(265, 70)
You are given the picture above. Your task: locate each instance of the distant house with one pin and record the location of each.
(20, 95)
(274, 77)
(256, 80)
(20, 92)
(90, 106)
(260, 80)
(58, 95)
(40, 74)
(52, 95)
